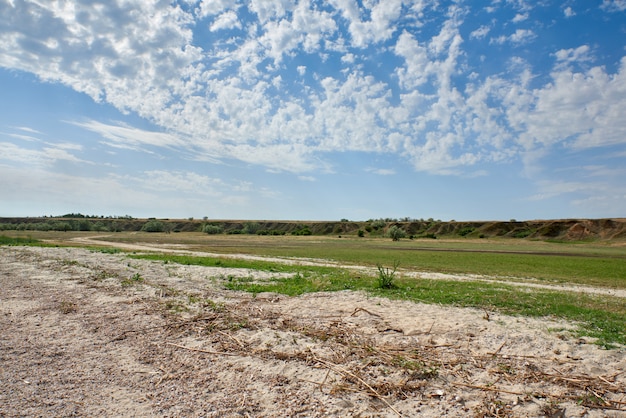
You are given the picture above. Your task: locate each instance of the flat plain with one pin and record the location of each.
(187, 324)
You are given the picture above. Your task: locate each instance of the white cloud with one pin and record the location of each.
(520, 17)
(520, 36)
(27, 129)
(39, 157)
(378, 28)
(227, 20)
(382, 171)
(614, 5)
(214, 7)
(569, 12)
(579, 109)
(234, 98)
(574, 55)
(130, 137)
(29, 138)
(480, 33)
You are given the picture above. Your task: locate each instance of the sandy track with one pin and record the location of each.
(79, 336)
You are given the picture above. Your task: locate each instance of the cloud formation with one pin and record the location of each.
(260, 89)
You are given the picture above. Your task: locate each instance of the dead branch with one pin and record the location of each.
(345, 372)
(221, 353)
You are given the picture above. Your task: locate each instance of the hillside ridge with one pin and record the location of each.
(559, 229)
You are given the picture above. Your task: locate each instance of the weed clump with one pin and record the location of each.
(386, 275)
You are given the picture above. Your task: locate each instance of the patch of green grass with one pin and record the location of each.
(600, 317)
(225, 262)
(4, 240)
(302, 283)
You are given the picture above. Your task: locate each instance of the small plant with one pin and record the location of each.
(134, 279)
(67, 307)
(386, 275)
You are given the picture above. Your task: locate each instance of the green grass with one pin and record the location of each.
(593, 270)
(299, 284)
(4, 240)
(605, 269)
(226, 262)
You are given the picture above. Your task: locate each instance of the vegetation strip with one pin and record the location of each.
(599, 317)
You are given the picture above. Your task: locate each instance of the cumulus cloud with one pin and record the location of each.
(237, 97)
(227, 20)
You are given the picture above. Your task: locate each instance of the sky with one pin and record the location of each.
(308, 110)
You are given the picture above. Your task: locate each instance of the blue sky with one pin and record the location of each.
(279, 109)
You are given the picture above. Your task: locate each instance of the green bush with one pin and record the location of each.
(396, 233)
(302, 231)
(379, 223)
(251, 228)
(466, 231)
(212, 229)
(153, 226)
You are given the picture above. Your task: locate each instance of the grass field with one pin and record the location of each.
(597, 264)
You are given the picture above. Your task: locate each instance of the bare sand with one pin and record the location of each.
(91, 334)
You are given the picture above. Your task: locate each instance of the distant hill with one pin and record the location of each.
(562, 229)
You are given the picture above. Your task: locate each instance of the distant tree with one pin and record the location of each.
(396, 233)
(379, 223)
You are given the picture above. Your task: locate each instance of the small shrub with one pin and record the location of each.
(386, 275)
(360, 233)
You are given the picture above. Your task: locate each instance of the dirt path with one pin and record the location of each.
(92, 334)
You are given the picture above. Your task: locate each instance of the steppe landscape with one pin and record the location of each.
(140, 324)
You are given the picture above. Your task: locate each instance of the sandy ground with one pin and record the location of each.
(91, 334)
